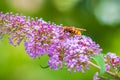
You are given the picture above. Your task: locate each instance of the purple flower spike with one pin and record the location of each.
(40, 37)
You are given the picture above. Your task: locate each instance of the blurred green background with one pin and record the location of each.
(101, 18)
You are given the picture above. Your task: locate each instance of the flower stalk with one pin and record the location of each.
(108, 72)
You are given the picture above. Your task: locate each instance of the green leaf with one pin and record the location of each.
(118, 68)
(100, 62)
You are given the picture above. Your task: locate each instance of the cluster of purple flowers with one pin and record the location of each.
(42, 37)
(112, 61)
(78, 52)
(13, 25)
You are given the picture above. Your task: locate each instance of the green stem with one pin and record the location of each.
(108, 72)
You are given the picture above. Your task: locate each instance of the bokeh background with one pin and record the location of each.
(101, 18)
